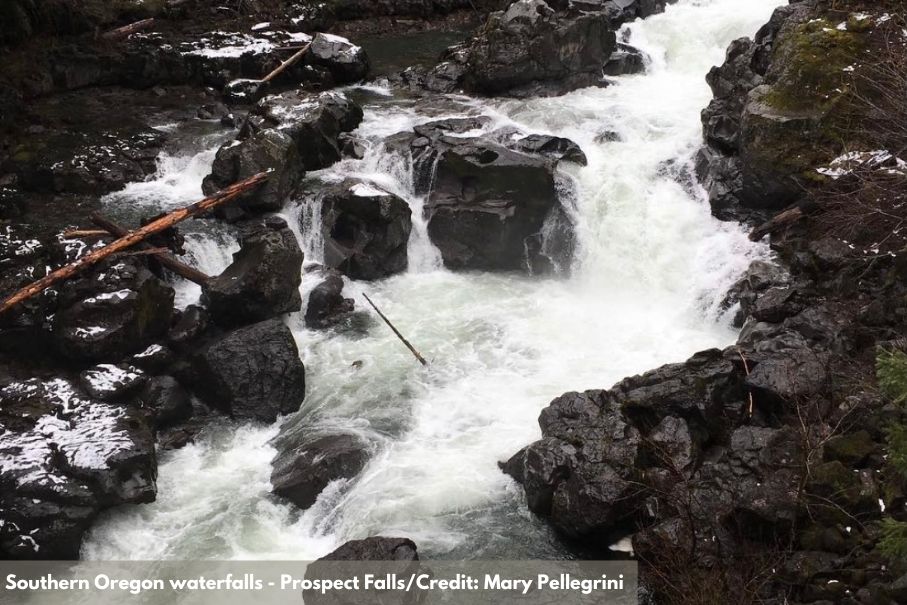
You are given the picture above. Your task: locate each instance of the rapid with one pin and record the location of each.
(649, 274)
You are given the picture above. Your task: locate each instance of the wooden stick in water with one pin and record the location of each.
(164, 257)
(133, 238)
(396, 331)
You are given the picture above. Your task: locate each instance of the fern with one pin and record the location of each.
(893, 543)
(891, 370)
(897, 448)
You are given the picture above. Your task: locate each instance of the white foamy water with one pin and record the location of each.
(650, 269)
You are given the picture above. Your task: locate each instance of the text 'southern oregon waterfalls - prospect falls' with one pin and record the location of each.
(502, 289)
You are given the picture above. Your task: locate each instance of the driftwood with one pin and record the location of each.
(288, 63)
(163, 256)
(133, 238)
(396, 331)
(127, 30)
(782, 219)
(85, 233)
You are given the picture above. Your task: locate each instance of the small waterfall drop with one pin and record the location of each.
(650, 268)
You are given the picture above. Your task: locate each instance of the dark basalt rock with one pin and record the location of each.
(490, 196)
(168, 401)
(375, 548)
(81, 162)
(756, 146)
(538, 48)
(327, 307)
(263, 280)
(626, 60)
(118, 309)
(366, 230)
(557, 148)
(301, 473)
(485, 201)
(345, 61)
(288, 133)
(253, 372)
(108, 382)
(63, 459)
(531, 49)
(153, 359)
(192, 323)
(582, 473)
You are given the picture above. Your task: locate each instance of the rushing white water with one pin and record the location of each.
(650, 270)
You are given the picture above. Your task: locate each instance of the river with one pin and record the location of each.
(650, 270)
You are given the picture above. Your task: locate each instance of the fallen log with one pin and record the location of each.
(409, 346)
(85, 233)
(133, 238)
(127, 30)
(782, 219)
(288, 63)
(163, 257)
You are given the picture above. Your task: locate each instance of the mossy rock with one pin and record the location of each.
(851, 450)
(808, 65)
(838, 493)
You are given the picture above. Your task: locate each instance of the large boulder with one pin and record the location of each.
(778, 99)
(263, 280)
(253, 372)
(167, 400)
(539, 47)
(327, 305)
(301, 473)
(117, 309)
(63, 459)
(490, 196)
(582, 473)
(365, 230)
(287, 133)
(532, 49)
(375, 548)
(345, 61)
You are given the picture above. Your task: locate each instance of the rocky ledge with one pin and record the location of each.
(539, 48)
(773, 449)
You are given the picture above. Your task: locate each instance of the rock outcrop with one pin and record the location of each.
(327, 306)
(263, 280)
(302, 472)
(65, 457)
(530, 48)
(376, 548)
(252, 372)
(539, 48)
(289, 134)
(777, 100)
(365, 230)
(490, 195)
(117, 309)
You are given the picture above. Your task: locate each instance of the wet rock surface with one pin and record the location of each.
(376, 548)
(253, 372)
(766, 129)
(64, 457)
(263, 280)
(119, 309)
(538, 48)
(288, 134)
(366, 230)
(302, 472)
(327, 306)
(489, 194)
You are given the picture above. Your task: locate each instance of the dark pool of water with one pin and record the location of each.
(391, 54)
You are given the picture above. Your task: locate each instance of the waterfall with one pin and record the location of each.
(650, 267)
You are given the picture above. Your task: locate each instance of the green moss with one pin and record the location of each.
(851, 449)
(813, 57)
